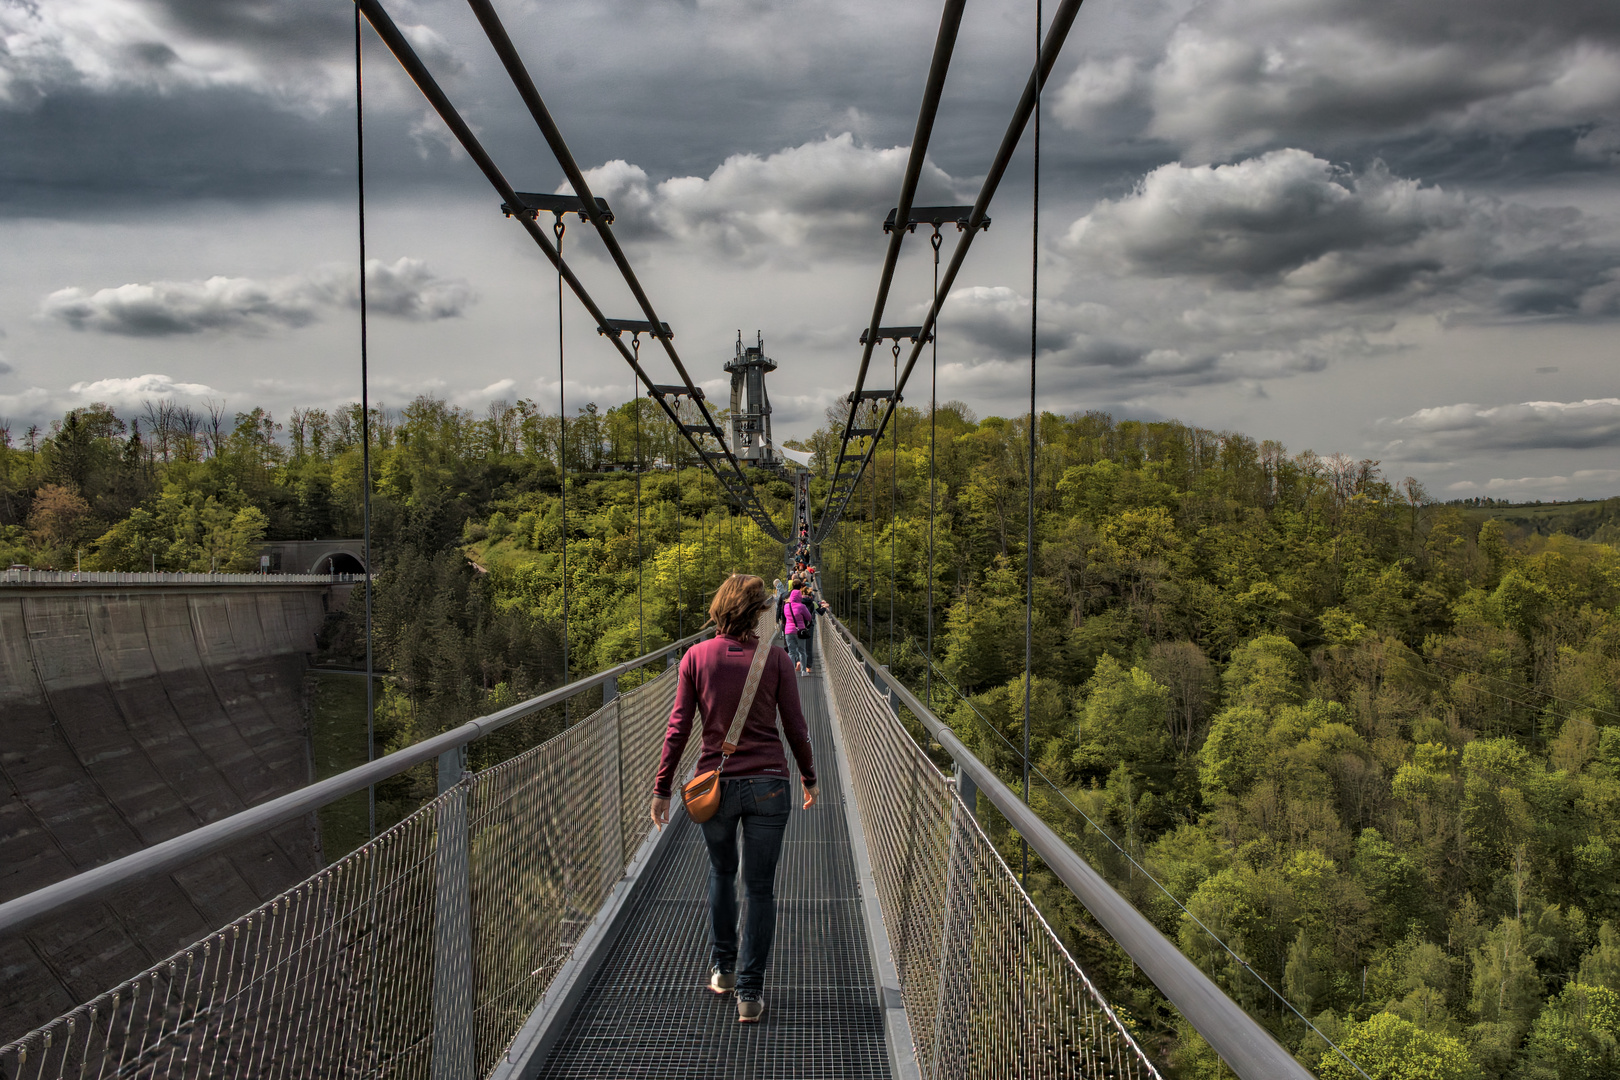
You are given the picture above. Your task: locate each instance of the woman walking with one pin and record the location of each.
(814, 605)
(754, 785)
(797, 630)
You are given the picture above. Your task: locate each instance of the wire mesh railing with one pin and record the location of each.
(989, 989)
(421, 954)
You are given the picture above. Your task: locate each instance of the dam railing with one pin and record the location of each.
(119, 577)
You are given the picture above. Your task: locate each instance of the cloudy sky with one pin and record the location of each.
(1380, 227)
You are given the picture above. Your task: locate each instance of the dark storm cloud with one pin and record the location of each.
(250, 99)
(1314, 233)
(1231, 76)
(405, 289)
(1130, 343)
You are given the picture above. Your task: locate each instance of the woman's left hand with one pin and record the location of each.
(660, 811)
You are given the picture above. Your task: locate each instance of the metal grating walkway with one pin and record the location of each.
(649, 1012)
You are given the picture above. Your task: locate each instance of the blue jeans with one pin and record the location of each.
(761, 808)
(796, 647)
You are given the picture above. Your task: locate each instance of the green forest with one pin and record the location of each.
(1336, 738)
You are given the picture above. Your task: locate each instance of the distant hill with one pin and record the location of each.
(1585, 519)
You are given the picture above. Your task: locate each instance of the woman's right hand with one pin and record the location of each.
(811, 794)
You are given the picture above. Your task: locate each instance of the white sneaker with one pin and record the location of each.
(722, 982)
(749, 1010)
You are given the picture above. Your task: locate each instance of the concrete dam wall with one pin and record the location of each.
(130, 715)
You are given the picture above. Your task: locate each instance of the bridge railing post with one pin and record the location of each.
(967, 791)
(613, 854)
(453, 1037)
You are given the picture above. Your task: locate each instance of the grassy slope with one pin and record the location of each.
(1582, 519)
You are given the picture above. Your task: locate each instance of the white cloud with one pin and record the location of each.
(405, 288)
(1465, 428)
(105, 46)
(408, 289)
(1580, 483)
(825, 197)
(40, 404)
(166, 308)
(1235, 76)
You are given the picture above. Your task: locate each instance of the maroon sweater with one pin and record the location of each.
(711, 683)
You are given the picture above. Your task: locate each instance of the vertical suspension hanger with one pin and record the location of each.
(871, 561)
(1029, 540)
(635, 401)
(680, 532)
(894, 491)
(933, 407)
(558, 226)
(365, 422)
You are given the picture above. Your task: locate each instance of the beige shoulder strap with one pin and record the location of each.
(766, 631)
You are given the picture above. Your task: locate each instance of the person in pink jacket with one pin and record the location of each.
(798, 618)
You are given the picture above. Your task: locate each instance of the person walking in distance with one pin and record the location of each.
(814, 606)
(753, 780)
(780, 597)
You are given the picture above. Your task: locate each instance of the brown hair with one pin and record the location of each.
(737, 604)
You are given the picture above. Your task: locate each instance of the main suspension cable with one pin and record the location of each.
(1056, 35)
(950, 22)
(403, 51)
(518, 72)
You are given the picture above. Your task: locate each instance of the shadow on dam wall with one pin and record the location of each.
(129, 715)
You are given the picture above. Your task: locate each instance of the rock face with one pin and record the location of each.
(129, 715)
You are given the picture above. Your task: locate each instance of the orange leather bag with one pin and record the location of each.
(701, 794)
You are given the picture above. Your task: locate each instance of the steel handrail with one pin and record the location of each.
(1247, 1047)
(178, 851)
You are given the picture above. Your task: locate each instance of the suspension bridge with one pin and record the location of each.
(528, 921)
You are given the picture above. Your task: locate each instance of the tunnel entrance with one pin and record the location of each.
(340, 562)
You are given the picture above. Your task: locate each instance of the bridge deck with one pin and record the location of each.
(648, 1011)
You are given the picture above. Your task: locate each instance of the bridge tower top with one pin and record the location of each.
(751, 404)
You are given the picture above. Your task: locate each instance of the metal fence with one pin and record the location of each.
(989, 990)
(419, 955)
(120, 577)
